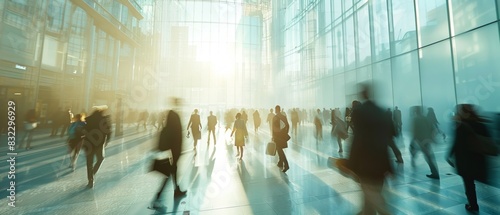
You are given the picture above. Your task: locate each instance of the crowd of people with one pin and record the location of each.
(371, 131)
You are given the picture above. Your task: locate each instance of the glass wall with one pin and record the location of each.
(426, 52)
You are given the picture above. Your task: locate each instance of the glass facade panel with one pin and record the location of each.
(477, 67)
(338, 49)
(382, 79)
(471, 14)
(363, 32)
(381, 45)
(405, 37)
(350, 45)
(432, 21)
(436, 73)
(406, 83)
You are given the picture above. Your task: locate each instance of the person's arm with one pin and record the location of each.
(189, 123)
(234, 129)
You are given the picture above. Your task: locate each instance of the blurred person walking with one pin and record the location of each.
(431, 117)
(240, 131)
(211, 123)
(269, 120)
(170, 148)
(470, 163)
(422, 141)
(280, 136)
(318, 125)
(295, 120)
(195, 125)
(30, 124)
(392, 143)
(396, 117)
(97, 133)
(256, 120)
(75, 139)
(369, 158)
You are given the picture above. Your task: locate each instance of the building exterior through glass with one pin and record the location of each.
(249, 53)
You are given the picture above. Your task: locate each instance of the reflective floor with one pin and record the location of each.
(217, 183)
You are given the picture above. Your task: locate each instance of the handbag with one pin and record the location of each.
(162, 166)
(271, 148)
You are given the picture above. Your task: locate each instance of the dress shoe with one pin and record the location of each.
(179, 193)
(433, 176)
(285, 169)
(156, 205)
(471, 208)
(90, 185)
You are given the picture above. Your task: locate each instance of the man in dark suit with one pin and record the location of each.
(369, 158)
(211, 122)
(280, 137)
(97, 135)
(171, 139)
(396, 117)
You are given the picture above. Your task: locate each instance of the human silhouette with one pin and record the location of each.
(240, 131)
(97, 133)
(431, 117)
(75, 139)
(195, 125)
(396, 117)
(170, 140)
(269, 120)
(211, 122)
(280, 137)
(368, 157)
(256, 120)
(30, 124)
(469, 163)
(422, 141)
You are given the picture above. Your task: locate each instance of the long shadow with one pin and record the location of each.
(284, 193)
(52, 171)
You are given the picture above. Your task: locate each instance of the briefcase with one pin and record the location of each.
(271, 149)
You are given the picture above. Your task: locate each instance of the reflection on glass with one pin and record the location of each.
(471, 14)
(380, 19)
(477, 66)
(432, 21)
(405, 38)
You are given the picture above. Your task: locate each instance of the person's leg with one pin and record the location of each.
(280, 153)
(100, 157)
(213, 133)
(241, 153)
(339, 141)
(30, 138)
(89, 153)
(64, 128)
(395, 150)
(430, 159)
(373, 199)
(470, 192)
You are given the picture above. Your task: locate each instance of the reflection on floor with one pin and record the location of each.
(218, 184)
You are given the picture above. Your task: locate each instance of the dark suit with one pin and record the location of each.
(397, 120)
(369, 155)
(97, 134)
(211, 122)
(171, 138)
(470, 165)
(280, 131)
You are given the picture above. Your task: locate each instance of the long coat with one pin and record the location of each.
(467, 162)
(280, 130)
(369, 151)
(171, 136)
